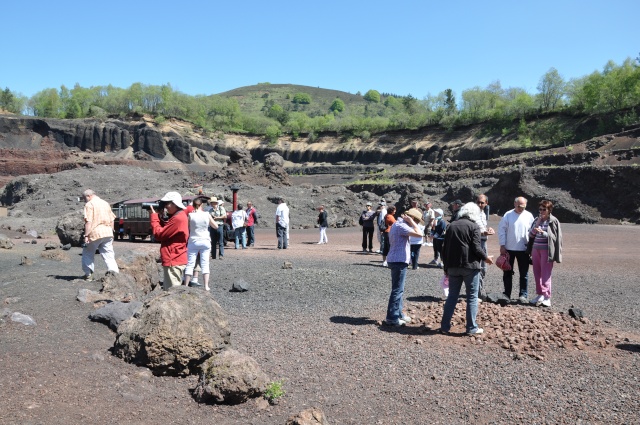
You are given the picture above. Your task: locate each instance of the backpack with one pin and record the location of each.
(383, 224)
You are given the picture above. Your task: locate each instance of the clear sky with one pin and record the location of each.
(401, 47)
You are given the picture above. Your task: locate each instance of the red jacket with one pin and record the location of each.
(251, 219)
(173, 237)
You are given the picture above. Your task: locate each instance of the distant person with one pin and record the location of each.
(381, 213)
(429, 217)
(252, 219)
(454, 207)
(366, 221)
(238, 222)
(219, 215)
(545, 250)
(462, 255)
(399, 258)
(482, 201)
(439, 229)
(282, 224)
(389, 220)
(323, 224)
(199, 242)
(173, 235)
(513, 234)
(98, 234)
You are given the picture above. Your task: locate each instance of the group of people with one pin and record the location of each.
(463, 253)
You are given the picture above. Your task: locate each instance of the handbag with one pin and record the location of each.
(503, 262)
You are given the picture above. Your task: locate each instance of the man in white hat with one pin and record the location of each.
(173, 236)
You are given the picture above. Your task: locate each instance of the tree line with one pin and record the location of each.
(615, 88)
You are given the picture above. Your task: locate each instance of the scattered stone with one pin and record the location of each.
(115, 313)
(23, 318)
(34, 242)
(56, 255)
(310, 416)
(240, 286)
(287, 265)
(5, 242)
(174, 332)
(70, 229)
(51, 245)
(32, 233)
(11, 300)
(576, 313)
(25, 261)
(231, 378)
(262, 403)
(498, 298)
(66, 247)
(88, 296)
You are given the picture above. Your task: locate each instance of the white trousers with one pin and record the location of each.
(323, 235)
(195, 247)
(105, 248)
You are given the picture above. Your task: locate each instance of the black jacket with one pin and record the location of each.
(462, 245)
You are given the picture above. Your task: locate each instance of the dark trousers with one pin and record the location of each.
(250, 236)
(386, 246)
(367, 233)
(437, 248)
(415, 254)
(217, 239)
(523, 270)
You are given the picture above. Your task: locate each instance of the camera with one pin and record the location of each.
(148, 205)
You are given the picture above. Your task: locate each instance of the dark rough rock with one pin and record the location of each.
(274, 167)
(150, 140)
(5, 242)
(66, 247)
(180, 149)
(26, 261)
(576, 313)
(230, 378)
(241, 156)
(497, 298)
(310, 416)
(138, 276)
(115, 312)
(240, 286)
(51, 245)
(70, 229)
(174, 332)
(287, 265)
(88, 296)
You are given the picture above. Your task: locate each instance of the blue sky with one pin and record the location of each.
(401, 47)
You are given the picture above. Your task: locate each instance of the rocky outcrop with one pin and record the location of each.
(230, 377)
(180, 149)
(175, 332)
(310, 416)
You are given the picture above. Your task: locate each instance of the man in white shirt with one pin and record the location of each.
(429, 218)
(381, 214)
(282, 224)
(513, 234)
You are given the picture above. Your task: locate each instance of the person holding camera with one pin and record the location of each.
(173, 235)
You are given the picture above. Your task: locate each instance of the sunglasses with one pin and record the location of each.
(542, 209)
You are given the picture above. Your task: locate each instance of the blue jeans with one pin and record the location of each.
(398, 275)
(217, 238)
(281, 233)
(241, 236)
(483, 268)
(251, 239)
(523, 271)
(471, 279)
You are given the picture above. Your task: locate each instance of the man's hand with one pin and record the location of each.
(152, 210)
(489, 260)
(503, 250)
(490, 231)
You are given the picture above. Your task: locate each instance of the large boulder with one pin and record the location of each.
(115, 313)
(5, 242)
(174, 332)
(180, 149)
(240, 155)
(230, 378)
(70, 229)
(138, 277)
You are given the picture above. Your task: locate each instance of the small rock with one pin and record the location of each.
(23, 318)
(25, 261)
(576, 313)
(240, 286)
(34, 242)
(50, 245)
(287, 265)
(65, 247)
(11, 300)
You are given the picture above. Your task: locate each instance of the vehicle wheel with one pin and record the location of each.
(132, 238)
(121, 236)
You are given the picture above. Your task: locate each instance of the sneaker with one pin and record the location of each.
(433, 262)
(397, 322)
(537, 300)
(546, 302)
(446, 293)
(443, 332)
(88, 277)
(371, 250)
(479, 300)
(110, 273)
(319, 243)
(523, 300)
(476, 331)
(429, 244)
(364, 249)
(194, 284)
(405, 318)
(385, 264)
(440, 265)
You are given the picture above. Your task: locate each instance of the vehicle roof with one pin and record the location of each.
(141, 200)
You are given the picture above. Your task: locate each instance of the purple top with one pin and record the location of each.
(400, 251)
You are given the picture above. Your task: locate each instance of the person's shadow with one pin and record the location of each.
(634, 348)
(425, 299)
(353, 321)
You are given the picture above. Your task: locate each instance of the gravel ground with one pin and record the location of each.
(316, 326)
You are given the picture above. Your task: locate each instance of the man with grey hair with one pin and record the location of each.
(98, 234)
(513, 234)
(282, 224)
(462, 255)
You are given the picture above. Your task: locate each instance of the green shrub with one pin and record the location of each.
(272, 133)
(274, 391)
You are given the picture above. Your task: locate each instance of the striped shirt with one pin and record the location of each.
(541, 240)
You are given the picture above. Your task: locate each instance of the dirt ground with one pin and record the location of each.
(317, 327)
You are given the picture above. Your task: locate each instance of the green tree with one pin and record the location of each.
(449, 102)
(302, 98)
(278, 113)
(8, 101)
(372, 96)
(46, 103)
(551, 89)
(337, 105)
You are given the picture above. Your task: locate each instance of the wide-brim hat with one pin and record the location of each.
(175, 198)
(439, 211)
(213, 199)
(415, 214)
